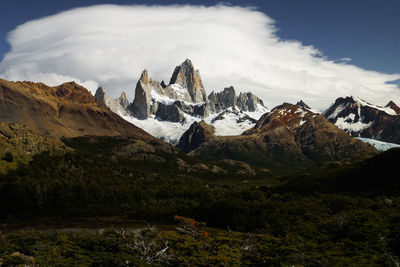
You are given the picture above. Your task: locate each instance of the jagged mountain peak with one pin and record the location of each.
(100, 91)
(227, 98)
(393, 106)
(144, 77)
(358, 101)
(123, 100)
(302, 104)
(187, 62)
(345, 103)
(123, 95)
(359, 118)
(186, 76)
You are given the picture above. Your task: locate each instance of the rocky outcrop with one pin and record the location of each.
(220, 101)
(248, 102)
(101, 95)
(197, 134)
(118, 105)
(169, 113)
(302, 104)
(362, 119)
(186, 76)
(141, 105)
(227, 98)
(394, 107)
(123, 101)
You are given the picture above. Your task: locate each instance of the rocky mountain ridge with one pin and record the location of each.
(362, 119)
(167, 111)
(67, 110)
(289, 135)
(64, 119)
(184, 101)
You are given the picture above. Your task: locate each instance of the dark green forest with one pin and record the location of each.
(336, 214)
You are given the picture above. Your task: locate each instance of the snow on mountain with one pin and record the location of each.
(229, 123)
(381, 146)
(386, 109)
(166, 112)
(232, 122)
(362, 119)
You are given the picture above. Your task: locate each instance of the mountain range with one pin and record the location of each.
(236, 128)
(68, 157)
(167, 111)
(289, 136)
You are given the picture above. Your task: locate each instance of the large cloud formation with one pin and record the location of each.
(111, 45)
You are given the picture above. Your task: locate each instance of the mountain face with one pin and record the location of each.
(187, 77)
(66, 110)
(362, 119)
(184, 95)
(167, 111)
(221, 101)
(118, 105)
(197, 134)
(289, 135)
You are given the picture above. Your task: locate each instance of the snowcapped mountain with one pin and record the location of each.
(167, 111)
(362, 119)
(289, 136)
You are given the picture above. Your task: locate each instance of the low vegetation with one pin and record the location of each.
(333, 215)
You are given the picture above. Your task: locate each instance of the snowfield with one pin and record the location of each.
(381, 146)
(231, 124)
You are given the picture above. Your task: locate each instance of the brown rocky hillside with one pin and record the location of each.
(66, 110)
(288, 136)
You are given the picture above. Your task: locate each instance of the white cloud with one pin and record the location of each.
(111, 45)
(345, 59)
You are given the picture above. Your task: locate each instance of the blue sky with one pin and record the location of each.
(367, 31)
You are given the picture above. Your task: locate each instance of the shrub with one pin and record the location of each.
(9, 157)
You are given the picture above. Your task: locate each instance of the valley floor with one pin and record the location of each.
(337, 214)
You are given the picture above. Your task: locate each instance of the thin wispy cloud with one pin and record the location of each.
(111, 45)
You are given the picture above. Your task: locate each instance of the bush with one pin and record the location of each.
(9, 157)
